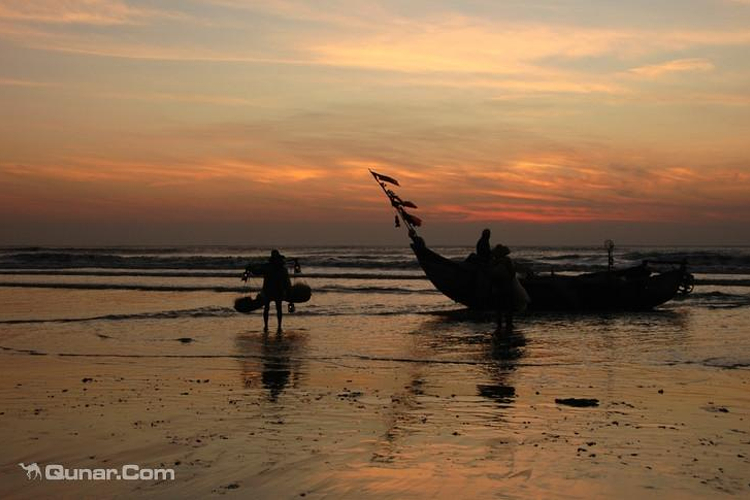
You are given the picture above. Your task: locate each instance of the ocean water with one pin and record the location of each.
(346, 280)
(380, 385)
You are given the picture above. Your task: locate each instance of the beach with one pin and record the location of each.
(379, 387)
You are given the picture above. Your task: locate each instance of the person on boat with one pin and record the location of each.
(502, 275)
(484, 254)
(479, 263)
(276, 284)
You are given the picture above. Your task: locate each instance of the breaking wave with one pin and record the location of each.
(227, 260)
(201, 312)
(107, 260)
(208, 288)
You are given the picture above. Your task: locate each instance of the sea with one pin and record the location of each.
(396, 389)
(345, 280)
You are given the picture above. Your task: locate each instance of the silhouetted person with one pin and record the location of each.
(276, 283)
(502, 274)
(483, 247)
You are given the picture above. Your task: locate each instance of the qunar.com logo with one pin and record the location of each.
(128, 472)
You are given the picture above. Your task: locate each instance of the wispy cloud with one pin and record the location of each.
(470, 45)
(95, 170)
(346, 14)
(446, 42)
(106, 44)
(15, 82)
(463, 45)
(93, 12)
(675, 66)
(219, 100)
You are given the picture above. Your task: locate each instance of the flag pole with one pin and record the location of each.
(399, 209)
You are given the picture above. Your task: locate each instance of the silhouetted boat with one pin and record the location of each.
(468, 282)
(632, 289)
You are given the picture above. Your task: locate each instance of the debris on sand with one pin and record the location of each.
(497, 392)
(185, 340)
(716, 409)
(577, 402)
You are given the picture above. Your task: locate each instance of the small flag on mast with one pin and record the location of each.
(384, 178)
(411, 219)
(396, 200)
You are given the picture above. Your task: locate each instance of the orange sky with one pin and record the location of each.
(228, 121)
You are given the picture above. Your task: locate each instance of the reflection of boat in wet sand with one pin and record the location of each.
(467, 282)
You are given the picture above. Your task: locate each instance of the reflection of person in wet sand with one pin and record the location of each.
(271, 360)
(503, 351)
(276, 365)
(276, 284)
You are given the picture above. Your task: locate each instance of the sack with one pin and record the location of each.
(298, 293)
(248, 304)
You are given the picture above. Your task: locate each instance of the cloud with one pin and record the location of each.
(595, 193)
(469, 45)
(676, 66)
(462, 45)
(92, 12)
(146, 48)
(13, 82)
(94, 170)
(207, 189)
(343, 14)
(460, 182)
(219, 100)
(444, 42)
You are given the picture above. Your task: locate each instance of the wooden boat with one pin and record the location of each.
(468, 282)
(632, 289)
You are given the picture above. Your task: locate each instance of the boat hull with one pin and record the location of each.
(633, 289)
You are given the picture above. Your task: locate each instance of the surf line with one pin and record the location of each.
(322, 359)
(201, 312)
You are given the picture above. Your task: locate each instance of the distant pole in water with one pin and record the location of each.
(610, 246)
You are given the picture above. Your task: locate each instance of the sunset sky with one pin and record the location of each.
(244, 122)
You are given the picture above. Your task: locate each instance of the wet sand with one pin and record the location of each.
(376, 406)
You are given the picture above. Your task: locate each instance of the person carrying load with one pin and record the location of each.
(276, 285)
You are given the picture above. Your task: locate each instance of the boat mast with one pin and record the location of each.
(402, 216)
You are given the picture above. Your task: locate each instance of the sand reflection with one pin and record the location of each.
(272, 361)
(502, 352)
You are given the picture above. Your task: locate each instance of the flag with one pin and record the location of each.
(396, 200)
(411, 219)
(384, 178)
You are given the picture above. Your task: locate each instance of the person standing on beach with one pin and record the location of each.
(276, 284)
(502, 275)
